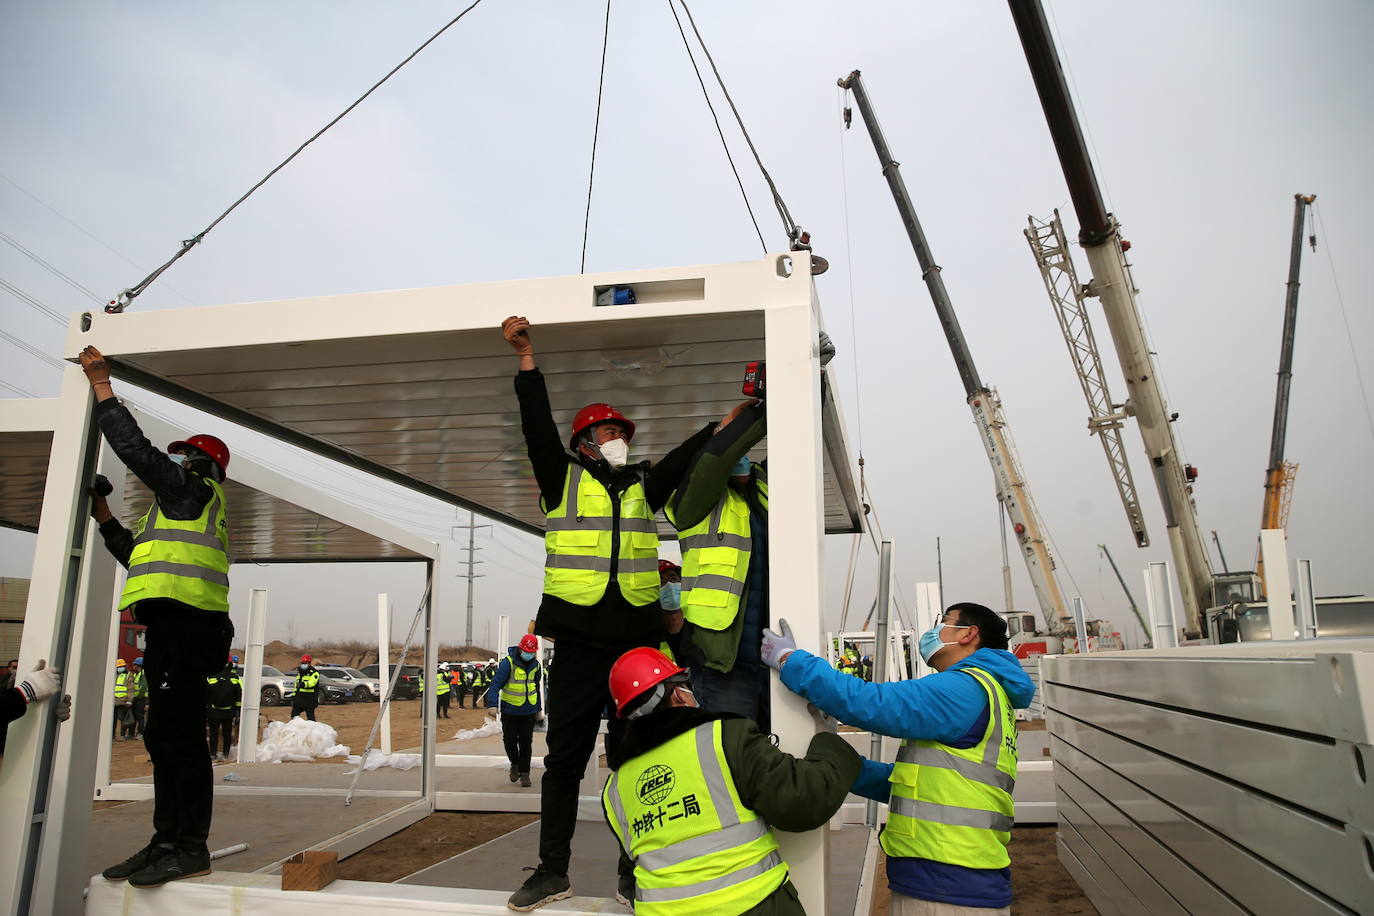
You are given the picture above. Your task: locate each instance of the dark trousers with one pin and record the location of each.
(442, 705)
(221, 730)
(518, 734)
(185, 646)
(123, 720)
(140, 715)
(578, 695)
(461, 693)
(308, 707)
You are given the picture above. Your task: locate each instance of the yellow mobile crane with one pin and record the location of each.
(1279, 475)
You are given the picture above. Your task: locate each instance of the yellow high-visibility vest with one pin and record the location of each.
(696, 847)
(953, 805)
(577, 543)
(187, 561)
(715, 558)
(522, 687)
(121, 686)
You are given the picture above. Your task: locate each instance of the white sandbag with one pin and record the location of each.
(486, 729)
(298, 741)
(376, 759)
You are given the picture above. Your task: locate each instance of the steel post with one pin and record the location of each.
(384, 667)
(881, 651)
(1159, 600)
(252, 675)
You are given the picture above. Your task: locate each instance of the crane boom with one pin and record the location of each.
(982, 400)
(1112, 285)
(1135, 608)
(1279, 474)
(1069, 300)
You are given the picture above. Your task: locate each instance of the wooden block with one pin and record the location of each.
(309, 870)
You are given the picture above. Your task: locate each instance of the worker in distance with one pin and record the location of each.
(695, 797)
(949, 792)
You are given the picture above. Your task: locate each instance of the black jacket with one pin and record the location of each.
(181, 492)
(613, 622)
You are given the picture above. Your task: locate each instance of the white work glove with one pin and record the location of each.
(41, 683)
(63, 708)
(776, 645)
(493, 712)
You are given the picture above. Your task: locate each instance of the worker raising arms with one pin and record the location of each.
(601, 585)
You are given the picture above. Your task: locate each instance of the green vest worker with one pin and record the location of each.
(949, 793)
(600, 583)
(695, 797)
(721, 513)
(178, 587)
(307, 695)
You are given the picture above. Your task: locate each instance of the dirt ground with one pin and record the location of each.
(353, 721)
(434, 839)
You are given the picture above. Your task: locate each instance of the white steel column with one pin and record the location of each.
(1307, 601)
(383, 665)
(76, 763)
(441, 579)
(1080, 625)
(104, 751)
(1159, 599)
(1278, 588)
(796, 512)
(58, 552)
(502, 635)
(252, 675)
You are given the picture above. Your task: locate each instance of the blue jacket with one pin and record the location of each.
(503, 675)
(949, 707)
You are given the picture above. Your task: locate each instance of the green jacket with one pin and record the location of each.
(790, 793)
(700, 490)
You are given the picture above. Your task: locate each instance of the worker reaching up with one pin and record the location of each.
(601, 586)
(949, 793)
(695, 796)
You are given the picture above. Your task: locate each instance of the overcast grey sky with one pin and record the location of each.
(140, 122)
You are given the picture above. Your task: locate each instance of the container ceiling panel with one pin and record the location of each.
(440, 408)
(23, 475)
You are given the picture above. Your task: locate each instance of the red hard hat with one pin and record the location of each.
(306, 658)
(210, 445)
(668, 566)
(529, 643)
(593, 414)
(637, 671)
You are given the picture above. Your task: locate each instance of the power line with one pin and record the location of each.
(90, 294)
(1345, 319)
(706, 95)
(32, 302)
(126, 297)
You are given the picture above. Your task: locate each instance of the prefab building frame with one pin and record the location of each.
(414, 386)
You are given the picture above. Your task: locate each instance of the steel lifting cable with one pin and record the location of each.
(789, 225)
(125, 298)
(706, 95)
(385, 704)
(596, 131)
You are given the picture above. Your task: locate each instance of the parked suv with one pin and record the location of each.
(275, 688)
(365, 689)
(408, 684)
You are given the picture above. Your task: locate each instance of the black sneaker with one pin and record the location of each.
(173, 866)
(540, 888)
(514, 773)
(136, 862)
(525, 780)
(625, 892)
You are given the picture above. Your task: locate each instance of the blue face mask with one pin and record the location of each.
(670, 596)
(742, 467)
(930, 641)
(178, 458)
(526, 656)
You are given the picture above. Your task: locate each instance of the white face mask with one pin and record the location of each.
(616, 452)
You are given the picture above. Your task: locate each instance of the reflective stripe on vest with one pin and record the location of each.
(715, 558)
(522, 687)
(954, 805)
(121, 686)
(577, 543)
(186, 561)
(696, 848)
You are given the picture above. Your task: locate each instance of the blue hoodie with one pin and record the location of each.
(502, 676)
(948, 707)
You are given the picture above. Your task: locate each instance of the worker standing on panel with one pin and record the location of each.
(721, 514)
(178, 587)
(695, 796)
(949, 794)
(307, 695)
(517, 689)
(601, 586)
